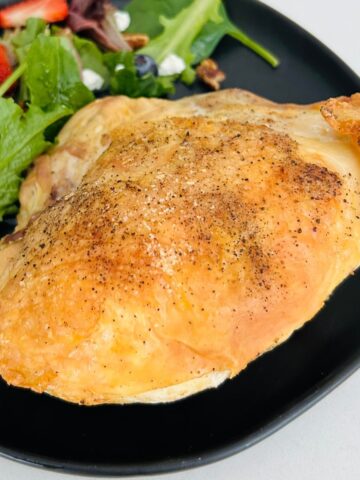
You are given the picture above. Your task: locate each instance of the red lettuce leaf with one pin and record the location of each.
(96, 19)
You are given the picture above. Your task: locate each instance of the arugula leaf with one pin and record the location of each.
(91, 57)
(21, 140)
(180, 32)
(145, 14)
(127, 82)
(54, 76)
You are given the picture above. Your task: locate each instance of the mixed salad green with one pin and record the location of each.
(54, 70)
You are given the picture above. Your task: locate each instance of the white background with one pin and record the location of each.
(324, 442)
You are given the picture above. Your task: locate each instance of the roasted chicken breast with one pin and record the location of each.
(162, 246)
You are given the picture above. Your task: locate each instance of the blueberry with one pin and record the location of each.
(145, 64)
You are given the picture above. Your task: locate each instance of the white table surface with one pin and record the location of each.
(324, 442)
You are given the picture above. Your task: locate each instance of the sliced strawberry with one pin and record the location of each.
(5, 67)
(49, 10)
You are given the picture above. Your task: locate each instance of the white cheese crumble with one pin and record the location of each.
(171, 65)
(122, 20)
(91, 79)
(119, 67)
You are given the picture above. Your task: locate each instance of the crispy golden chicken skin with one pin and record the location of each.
(179, 247)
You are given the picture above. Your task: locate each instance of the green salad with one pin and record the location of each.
(58, 61)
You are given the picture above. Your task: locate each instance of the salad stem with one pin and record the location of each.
(4, 87)
(254, 46)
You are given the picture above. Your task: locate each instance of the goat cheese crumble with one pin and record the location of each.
(171, 65)
(92, 80)
(122, 20)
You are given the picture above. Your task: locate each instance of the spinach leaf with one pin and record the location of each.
(21, 140)
(209, 37)
(212, 33)
(54, 76)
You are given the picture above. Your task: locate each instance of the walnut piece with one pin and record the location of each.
(208, 71)
(136, 40)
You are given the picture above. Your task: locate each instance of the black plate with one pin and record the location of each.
(138, 439)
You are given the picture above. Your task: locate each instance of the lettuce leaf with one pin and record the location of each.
(165, 22)
(52, 87)
(91, 57)
(33, 27)
(145, 14)
(180, 33)
(21, 42)
(21, 140)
